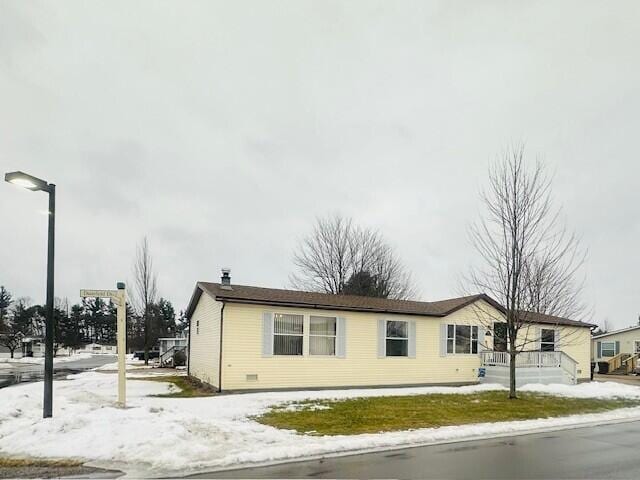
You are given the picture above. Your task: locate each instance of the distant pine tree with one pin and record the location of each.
(366, 284)
(5, 302)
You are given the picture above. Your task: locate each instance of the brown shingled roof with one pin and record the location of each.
(274, 296)
(326, 301)
(533, 317)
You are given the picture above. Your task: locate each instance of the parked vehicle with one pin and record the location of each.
(139, 355)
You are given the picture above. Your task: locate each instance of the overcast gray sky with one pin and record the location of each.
(221, 129)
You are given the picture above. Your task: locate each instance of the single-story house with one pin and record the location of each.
(98, 348)
(252, 338)
(168, 343)
(33, 347)
(619, 348)
(169, 346)
(609, 344)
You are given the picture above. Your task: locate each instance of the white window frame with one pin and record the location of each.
(386, 337)
(334, 336)
(636, 346)
(474, 332)
(548, 343)
(613, 349)
(273, 339)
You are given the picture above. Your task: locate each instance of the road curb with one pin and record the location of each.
(531, 431)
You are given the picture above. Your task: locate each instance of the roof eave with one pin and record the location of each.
(322, 306)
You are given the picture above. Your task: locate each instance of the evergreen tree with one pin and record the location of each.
(9, 337)
(71, 327)
(166, 318)
(18, 326)
(5, 302)
(181, 323)
(25, 318)
(365, 284)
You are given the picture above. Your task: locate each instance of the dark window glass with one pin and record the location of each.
(397, 348)
(463, 339)
(500, 337)
(397, 341)
(547, 340)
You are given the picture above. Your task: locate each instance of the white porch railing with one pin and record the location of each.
(531, 359)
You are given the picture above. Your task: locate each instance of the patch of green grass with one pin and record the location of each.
(383, 414)
(189, 386)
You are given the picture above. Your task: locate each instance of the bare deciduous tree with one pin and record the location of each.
(339, 257)
(604, 326)
(145, 290)
(530, 263)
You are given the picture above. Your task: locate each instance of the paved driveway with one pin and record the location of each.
(609, 451)
(628, 379)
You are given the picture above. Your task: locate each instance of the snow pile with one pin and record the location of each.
(587, 390)
(131, 364)
(40, 360)
(171, 436)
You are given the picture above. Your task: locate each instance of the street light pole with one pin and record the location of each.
(36, 184)
(48, 347)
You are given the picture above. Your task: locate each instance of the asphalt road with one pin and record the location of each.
(609, 451)
(29, 372)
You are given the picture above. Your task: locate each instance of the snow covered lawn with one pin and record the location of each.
(176, 436)
(56, 360)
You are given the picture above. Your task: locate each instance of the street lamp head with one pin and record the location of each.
(27, 181)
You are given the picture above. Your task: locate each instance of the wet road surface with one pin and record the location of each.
(608, 451)
(12, 373)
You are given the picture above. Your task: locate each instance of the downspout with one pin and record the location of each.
(189, 348)
(220, 359)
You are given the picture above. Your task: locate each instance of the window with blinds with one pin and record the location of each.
(322, 335)
(288, 332)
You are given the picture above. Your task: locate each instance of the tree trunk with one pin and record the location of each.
(11, 351)
(512, 374)
(146, 336)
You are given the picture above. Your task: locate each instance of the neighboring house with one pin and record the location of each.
(247, 338)
(33, 347)
(168, 343)
(169, 346)
(608, 345)
(98, 348)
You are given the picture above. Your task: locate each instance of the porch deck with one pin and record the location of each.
(532, 367)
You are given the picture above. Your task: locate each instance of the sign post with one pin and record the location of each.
(119, 297)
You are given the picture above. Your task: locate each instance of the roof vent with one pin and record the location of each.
(225, 279)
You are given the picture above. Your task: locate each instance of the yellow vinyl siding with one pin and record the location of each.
(577, 346)
(242, 353)
(574, 341)
(245, 367)
(204, 342)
